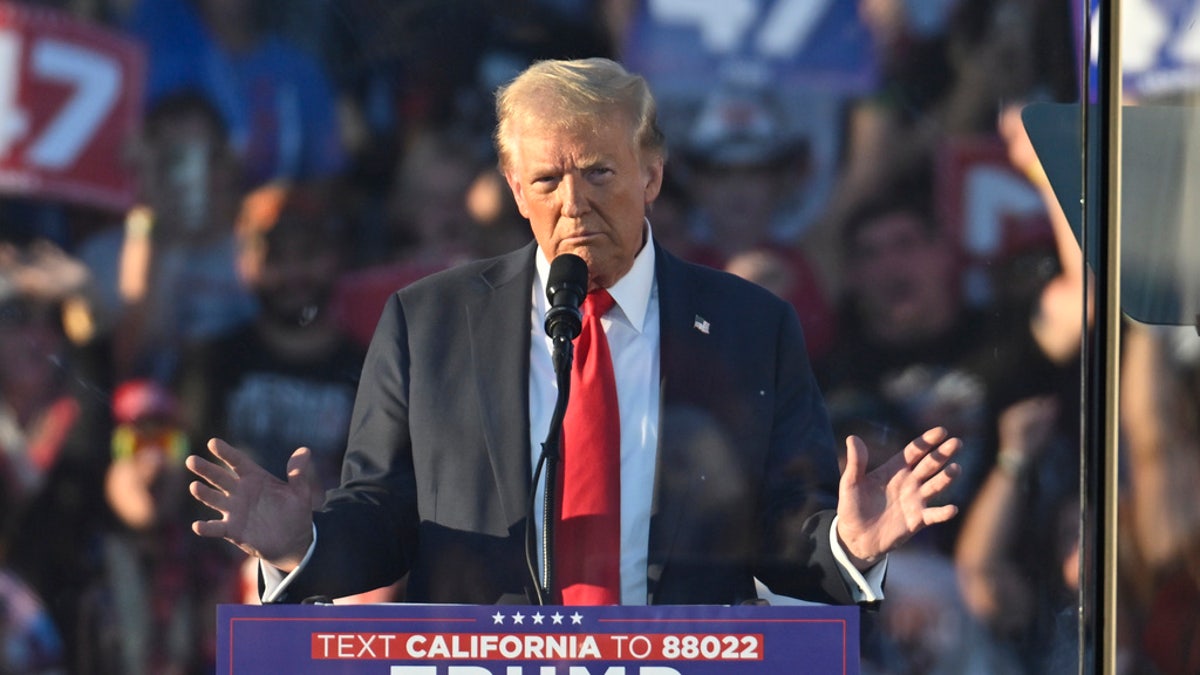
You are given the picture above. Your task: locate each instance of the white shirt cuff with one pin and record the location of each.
(274, 581)
(864, 586)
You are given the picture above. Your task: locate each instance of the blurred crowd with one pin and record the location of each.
(298, 161)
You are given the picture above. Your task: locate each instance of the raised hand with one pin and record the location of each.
(881, 510)
(266, 517)
(1027, 426)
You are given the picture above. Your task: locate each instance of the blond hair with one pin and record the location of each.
(575, 94)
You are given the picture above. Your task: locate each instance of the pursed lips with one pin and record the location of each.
(580, 236)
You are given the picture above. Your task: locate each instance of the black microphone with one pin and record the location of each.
(565, 289)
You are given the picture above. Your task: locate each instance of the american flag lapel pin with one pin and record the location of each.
(701, 324)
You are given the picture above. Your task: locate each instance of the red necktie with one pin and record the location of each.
(588, 552)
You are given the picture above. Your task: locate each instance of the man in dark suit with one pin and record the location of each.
(728, 468)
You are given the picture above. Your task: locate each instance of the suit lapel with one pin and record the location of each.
(498, 322)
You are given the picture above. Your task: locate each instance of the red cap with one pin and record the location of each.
(138, 400)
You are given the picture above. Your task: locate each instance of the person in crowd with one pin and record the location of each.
(151, 610)
(274, 97)
(745, 169)
(1158, 517)
(912, 345)
(1019, 581)
(457, 393)
(497, 224)
(29, 641)
(168, 278)
(38, 413)
(51, 412)
(427, 208)
(908, 341)
(1020, 574)
(945, 68)
(287, 377)
(745, 165)
(434, 224)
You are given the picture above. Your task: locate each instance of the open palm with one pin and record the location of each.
(880, 510)
(264, 516)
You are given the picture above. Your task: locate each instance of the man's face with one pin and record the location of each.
(903, 278)
(740, 202)
(190, 179)
(297, 278)
(585, 192)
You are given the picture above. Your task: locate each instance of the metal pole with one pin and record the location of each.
(1102, 351)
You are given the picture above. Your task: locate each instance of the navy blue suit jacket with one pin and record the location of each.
(437, 473)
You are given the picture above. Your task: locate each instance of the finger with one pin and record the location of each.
(939, 514)
(210, 528)
(936, 459)
(213, 499)
(218, 476)
(232, 457)
(298, 465)
(921, 445)
(939, 482)
(856, 460)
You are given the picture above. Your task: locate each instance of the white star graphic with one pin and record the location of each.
(577, 618)
(518, 618)
(497, 618)
(537, 618)
(557, 618)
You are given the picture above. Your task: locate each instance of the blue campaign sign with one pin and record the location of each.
(404, 639)
(683, 46)
(1160, 47)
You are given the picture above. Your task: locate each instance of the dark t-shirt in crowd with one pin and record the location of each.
(269, 406)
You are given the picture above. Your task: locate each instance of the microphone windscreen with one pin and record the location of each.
(569, 273)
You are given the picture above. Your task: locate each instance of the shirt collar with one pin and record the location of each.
(631, 292)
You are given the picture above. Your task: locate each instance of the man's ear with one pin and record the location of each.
(518, 193)
(653, 176)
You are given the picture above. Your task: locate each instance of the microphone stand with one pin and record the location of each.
(566, 287)
(564, 352)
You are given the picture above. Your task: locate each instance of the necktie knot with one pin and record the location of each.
(597, 303)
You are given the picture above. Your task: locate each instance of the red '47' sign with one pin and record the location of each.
(70, 99)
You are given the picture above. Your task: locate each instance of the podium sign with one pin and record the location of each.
(399, 639)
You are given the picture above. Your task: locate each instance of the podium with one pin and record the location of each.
(403, 639)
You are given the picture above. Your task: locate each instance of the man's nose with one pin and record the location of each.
(574, 196)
